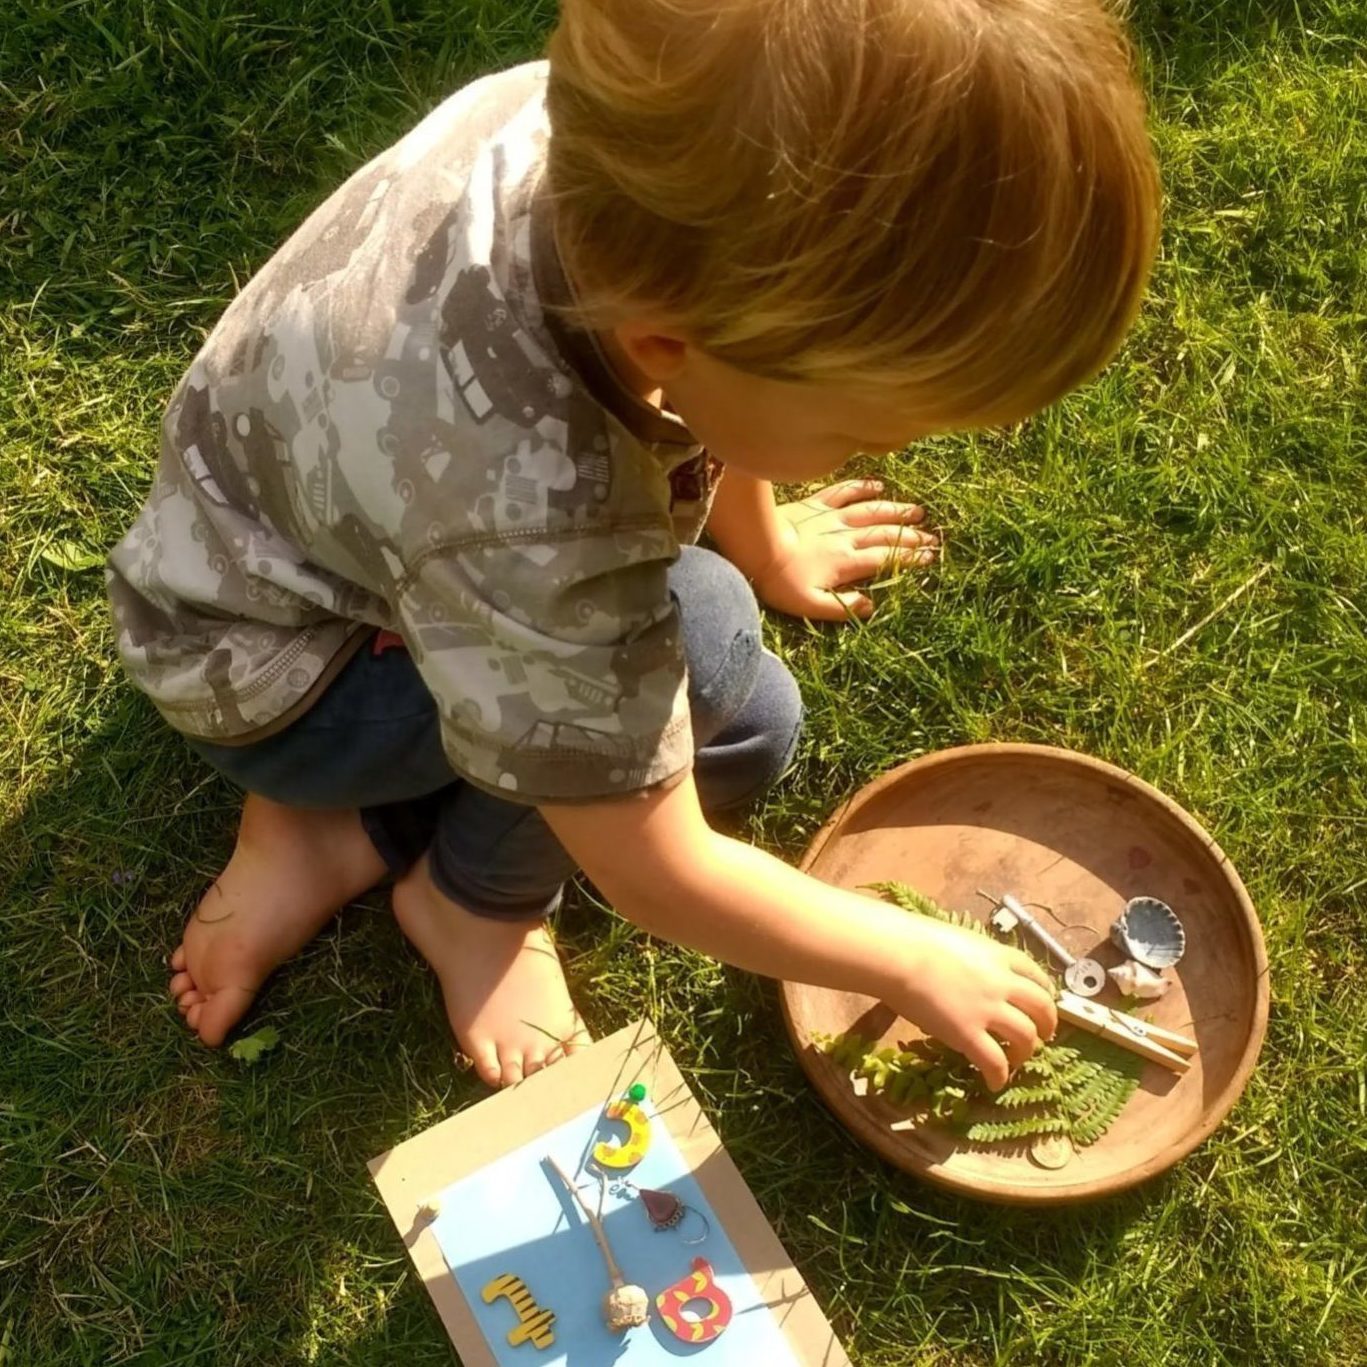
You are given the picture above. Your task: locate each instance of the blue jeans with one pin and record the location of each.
(373, 741)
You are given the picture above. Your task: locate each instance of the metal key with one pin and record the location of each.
(1085, 977)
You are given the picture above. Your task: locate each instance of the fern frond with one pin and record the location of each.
(1059, 1055)
(1107, 1106)
(907, 897)
(1023, 1127)
(1077, 1072)
(845, 1050)
(1060, 1090)
(1013, 1098)
(906, 1088)
(1079, 1100)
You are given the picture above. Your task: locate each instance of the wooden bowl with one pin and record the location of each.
(1080, 837)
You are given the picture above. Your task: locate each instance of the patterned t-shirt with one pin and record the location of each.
(389, 428)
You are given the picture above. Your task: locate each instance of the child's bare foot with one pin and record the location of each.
(504, 989)
(292, 871)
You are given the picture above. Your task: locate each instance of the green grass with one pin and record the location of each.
(165, 1205)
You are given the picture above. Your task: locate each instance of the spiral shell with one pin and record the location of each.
(1136, 980)
(1150, 933)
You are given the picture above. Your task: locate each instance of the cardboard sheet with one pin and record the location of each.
(465, 1162)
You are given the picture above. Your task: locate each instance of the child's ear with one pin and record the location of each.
(655, 352)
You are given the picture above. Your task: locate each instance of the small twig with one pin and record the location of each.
(595, 1223)
(1209, 617)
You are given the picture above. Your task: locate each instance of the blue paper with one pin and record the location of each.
(515, 1216)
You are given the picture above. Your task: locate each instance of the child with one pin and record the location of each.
(411, 573)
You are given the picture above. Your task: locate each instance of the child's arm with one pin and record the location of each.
(658, 862)
(799, 555)
(745, 524)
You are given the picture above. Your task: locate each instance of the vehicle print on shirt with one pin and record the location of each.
(433, 257)
(417, 435)
(217, 667)
(554, 741)
(494, 374)
(368, 483)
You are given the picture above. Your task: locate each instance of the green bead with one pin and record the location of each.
(638, 1091)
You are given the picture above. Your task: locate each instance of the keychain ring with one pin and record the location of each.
(664, 1210)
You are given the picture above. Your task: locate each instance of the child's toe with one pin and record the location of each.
(570, 1044)
(218, 1014)
(486, 1062)
(181, 983)
(189, 999)
(178, 958)
(512, 1068)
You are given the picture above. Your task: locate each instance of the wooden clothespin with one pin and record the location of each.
(1139, 1037)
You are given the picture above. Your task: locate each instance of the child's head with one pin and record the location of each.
(843, 223)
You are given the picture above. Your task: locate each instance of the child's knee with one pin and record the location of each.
(721, 637)
(753, 752)
(777, 707)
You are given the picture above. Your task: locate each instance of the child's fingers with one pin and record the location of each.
(1037, 1003)
(1017, 1033)
(989, 1058)
(846, 605)
(565, 1047)
(850, 491)
(872, 511)
(899, 537)
(832, 605)
(212, 1018)
(1027, 967)
(864, 564)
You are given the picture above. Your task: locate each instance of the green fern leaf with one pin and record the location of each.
(1107, 1107)
(906, 897)
(1013, 1098)
(1024, 1127)
(1078, 1072)
(1061, 1090)
(1080, 1100)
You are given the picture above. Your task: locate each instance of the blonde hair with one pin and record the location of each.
(950, 200)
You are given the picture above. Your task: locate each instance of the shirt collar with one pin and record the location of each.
(581, 348)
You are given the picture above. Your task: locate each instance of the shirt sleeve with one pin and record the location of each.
(557, 665)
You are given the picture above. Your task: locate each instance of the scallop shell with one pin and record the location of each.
(1148, 931)
(1136, 980)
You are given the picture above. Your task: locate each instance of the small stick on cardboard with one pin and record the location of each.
(626, 1305)
(595, 1223)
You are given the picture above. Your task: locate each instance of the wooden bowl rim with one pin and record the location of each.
(1005, 1193)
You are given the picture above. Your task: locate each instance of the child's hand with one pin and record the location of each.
(686, 883)
(843, 535)
(992, 1003)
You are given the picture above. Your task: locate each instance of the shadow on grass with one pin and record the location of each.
(166, 1196)
(154, 1184)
